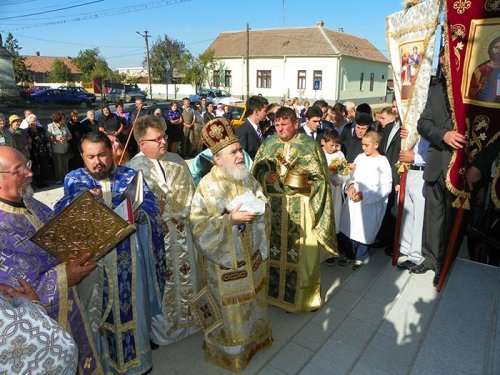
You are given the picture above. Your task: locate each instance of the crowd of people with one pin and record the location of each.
(246, 225)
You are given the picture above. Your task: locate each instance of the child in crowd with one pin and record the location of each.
(367, 192)
(330, 141)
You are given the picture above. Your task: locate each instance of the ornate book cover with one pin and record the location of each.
(86, 225)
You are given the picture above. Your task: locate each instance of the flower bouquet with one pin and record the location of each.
(341, 170)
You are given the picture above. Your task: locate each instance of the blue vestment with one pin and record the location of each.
(22, 259)
(124, 291)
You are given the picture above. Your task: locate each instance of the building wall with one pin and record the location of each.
(284, 77)
(335, 87)
(350, 80)
(8, 85)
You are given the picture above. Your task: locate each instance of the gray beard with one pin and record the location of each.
(26, 191)
(237, 174)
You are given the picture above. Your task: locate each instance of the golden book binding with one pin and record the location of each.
(86, 225)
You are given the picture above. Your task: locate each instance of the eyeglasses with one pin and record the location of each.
(157, 140)
(19, 170)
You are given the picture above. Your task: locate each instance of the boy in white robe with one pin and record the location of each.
(367, 191)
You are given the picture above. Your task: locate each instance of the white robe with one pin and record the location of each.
(361, 221)
(336, 187)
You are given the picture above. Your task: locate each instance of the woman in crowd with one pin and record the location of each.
(22, 141)
(110, 123)
(77, 131)
(174, 128)
(158, 113)
(209, 115)
(58, 135)
(40, 153)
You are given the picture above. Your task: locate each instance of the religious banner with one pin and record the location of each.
(410, 37)
(472, 50)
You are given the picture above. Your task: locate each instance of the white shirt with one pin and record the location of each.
(308, 131)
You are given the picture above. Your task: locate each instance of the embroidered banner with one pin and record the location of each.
(472, 50)
(410, 36)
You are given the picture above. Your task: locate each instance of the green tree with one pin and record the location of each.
(59, 72)
(21, 71)
(200, 70)
(101, 70)
(165, 56)
(92, 65)
(86, 61)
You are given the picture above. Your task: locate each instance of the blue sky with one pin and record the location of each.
(111, 25)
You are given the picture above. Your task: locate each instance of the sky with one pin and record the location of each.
(63, 28)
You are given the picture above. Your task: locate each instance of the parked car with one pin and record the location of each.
(80, 91)
(127, 94)
(238, 113)
(33, 89)
(215, 96)
(58, 96)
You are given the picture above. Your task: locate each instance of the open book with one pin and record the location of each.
(86, 225)
(135, 191)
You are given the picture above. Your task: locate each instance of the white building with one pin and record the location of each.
(8, 87)
(292, 62)
(136, 71)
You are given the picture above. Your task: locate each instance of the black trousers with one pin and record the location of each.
(439, 217)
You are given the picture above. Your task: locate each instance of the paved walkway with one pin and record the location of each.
(377, 320)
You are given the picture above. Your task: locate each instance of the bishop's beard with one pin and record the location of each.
(236, 173)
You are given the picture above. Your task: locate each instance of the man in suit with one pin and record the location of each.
(324, 124)
(435, 125)
(390, 146)
(250, 134)
(311, 126)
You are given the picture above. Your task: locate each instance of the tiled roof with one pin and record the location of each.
(307, 41)
(43, 64)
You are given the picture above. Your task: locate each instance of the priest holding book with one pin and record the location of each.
(23, 264)
(167, 175)
(124, 292)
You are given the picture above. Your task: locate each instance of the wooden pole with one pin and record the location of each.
(450, 251)
(129, 135)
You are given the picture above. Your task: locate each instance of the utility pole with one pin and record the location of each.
(283, 13)
(248, 61)
(146, 37)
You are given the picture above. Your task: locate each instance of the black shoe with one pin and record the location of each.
(420, 268)
(435, 280)
(344, 262)
(330, 262)
(407, 264)
(153, 345)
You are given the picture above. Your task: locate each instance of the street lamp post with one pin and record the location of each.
(146, 37)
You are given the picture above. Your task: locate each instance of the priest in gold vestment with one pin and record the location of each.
(234, 241)
(168, 177)
(291, 168)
